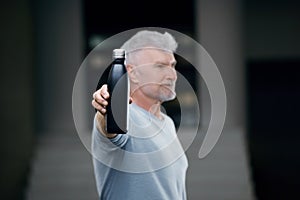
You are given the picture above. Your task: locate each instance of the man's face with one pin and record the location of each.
(155, 74)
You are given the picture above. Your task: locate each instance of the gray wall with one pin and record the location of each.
(17, 96)
(219, 28)
(59, 53)
(41, 51)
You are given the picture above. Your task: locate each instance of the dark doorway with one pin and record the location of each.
(273, 127)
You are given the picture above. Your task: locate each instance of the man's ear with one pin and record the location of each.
(132, 73)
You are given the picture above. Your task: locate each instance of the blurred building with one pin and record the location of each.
(255, 45)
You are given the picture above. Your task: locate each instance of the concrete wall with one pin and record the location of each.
(17, 96)
(59, 53)
(41, 51)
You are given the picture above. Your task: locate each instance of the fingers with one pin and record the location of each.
(99, 101)
(99, 107)
(104, 91)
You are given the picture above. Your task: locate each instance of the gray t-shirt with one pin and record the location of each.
(146, 163)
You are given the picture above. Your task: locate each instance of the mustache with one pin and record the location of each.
(170, 83)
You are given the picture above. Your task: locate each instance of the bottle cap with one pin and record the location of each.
(118, 53)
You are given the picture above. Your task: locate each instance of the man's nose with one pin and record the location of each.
(172, 74)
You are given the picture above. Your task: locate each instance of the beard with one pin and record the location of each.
(166, 92)
(160, 92)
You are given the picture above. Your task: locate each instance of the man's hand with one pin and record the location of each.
(100, 102)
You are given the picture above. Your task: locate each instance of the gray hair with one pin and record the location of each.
(150, 39)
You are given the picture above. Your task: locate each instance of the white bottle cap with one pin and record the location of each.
(118, 53)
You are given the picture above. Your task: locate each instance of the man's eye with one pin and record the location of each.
(160, 66)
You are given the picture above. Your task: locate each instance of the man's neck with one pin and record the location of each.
(148, 104)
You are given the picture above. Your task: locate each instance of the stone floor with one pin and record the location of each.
(62, 170)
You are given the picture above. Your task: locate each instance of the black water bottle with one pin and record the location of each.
(118, 88)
